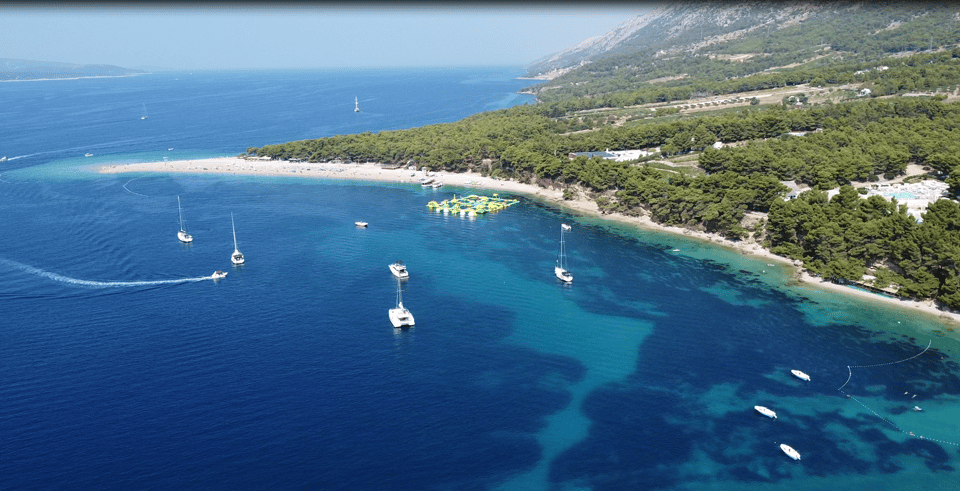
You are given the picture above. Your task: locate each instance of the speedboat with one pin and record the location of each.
(800, 375)
(787, 449)
(361, 224)
(917, 408)
(399, 270)
(88, 155)
(766, 411)
(217, 275)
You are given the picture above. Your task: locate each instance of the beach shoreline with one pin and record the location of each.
(375, 172)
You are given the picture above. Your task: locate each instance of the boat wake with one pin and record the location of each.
(96, 284)
(133, 192)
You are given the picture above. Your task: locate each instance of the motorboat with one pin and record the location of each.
(560, 270)
(399, 270)
(400, 316)
(182, 234)
(361, 224)
(426, 182)
(766, 411)
(218, 275)
(237, 256)
(800, 375)
(917, 408)
(787, 449)
(437, 185)
(88, 155)
(356, 105)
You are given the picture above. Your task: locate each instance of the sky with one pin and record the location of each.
(308, 35)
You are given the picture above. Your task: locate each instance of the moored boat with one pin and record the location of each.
(361, 224)
(766, 411)
(560, 269)
(800, 375)
(400, 316)
(399, 270)
(787, 449)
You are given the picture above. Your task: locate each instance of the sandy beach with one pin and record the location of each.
(374, 172)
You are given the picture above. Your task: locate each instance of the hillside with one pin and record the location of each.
(717, 42)
(13, 69)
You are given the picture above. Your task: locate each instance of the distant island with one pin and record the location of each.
(21, 70)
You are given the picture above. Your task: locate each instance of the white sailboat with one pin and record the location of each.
(561, 268)
(144, 112)
(237, 256)
(182, 234)
(800, 375)
(356, 105)
(400, 316)
(766, 411)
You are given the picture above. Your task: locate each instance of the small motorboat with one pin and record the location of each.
(218, 275)
(787, 449)
(88, 155)
(800, 375)
(917, 408)
(399, 270)
(361, 224)
(766, 411)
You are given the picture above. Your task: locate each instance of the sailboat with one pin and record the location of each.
(144, 112)
(561, 268)
(182, 234)
(400, 316)
(356, 105)
(237, 256)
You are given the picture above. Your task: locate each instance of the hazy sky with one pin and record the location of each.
(302, 35)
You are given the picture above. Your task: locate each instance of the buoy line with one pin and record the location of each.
(885, 420)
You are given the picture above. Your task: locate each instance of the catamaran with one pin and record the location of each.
(561, 268)
(237, 256)
(182, 234)
(400, 316)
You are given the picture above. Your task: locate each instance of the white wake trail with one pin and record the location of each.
(97, 284)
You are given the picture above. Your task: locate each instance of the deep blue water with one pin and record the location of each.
(121, 369)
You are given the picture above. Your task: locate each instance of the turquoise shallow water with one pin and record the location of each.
(122, 369)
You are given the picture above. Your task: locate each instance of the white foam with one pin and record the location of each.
(97, 284)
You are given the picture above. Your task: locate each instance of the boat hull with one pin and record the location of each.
(562, 274)
(236, 258)
(766, 411)
(399, 271)
(401, 317)
(184, 237)
(787, 449)
(800, 375)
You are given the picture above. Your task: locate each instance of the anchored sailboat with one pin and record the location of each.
(561, 268)
(182, 234)
(400, 316)
(237, 256)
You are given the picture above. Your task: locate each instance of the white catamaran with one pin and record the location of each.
(237, 256)
(182, 234)
(561, 268)
(400, 316)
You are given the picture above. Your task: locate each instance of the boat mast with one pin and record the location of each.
(180, 213)
(234, 233)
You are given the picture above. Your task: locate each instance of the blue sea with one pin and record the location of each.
(123, 367)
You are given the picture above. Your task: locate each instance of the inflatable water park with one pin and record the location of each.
(472, 205)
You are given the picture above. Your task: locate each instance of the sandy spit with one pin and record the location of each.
(374, 172)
